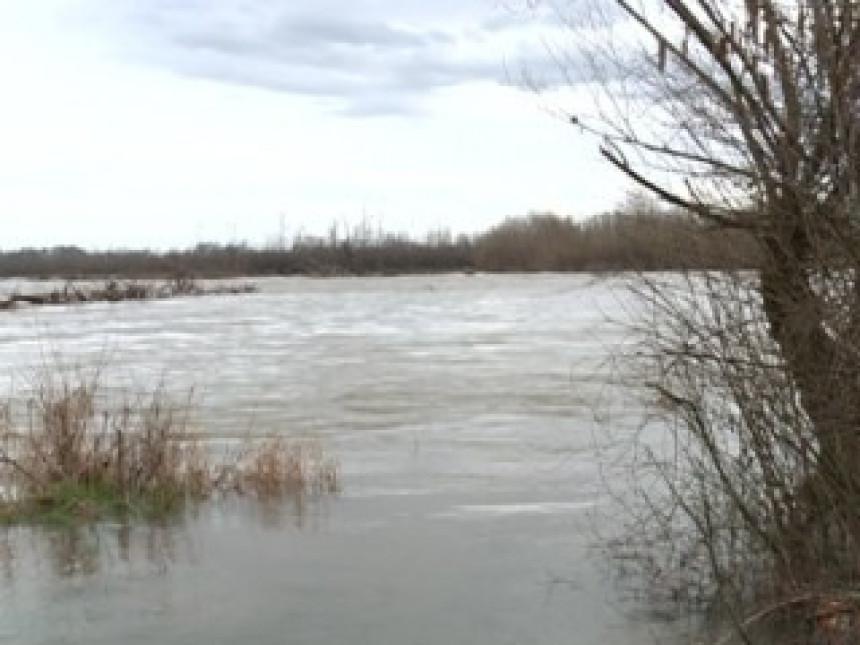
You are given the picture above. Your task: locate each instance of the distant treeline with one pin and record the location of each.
(631, 238)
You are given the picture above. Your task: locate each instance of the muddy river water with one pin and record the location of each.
(462, 410)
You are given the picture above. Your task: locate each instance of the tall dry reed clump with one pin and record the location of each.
(79, 457)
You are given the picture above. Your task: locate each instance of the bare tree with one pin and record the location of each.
(746, 114)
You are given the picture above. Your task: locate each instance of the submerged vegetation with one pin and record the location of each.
(81, 457)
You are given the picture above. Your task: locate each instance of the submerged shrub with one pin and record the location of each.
(276, 467)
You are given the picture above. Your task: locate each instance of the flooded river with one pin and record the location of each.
(462, 410)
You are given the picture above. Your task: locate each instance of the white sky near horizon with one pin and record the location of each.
(164, 123)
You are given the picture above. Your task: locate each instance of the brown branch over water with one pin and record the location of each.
(747, 117)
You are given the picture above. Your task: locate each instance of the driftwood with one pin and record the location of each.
(115, 291)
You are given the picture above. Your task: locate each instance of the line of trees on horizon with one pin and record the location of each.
(638, 235)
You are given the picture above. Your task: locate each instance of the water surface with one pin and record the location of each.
(462, 411)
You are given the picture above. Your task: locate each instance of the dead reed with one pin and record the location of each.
(276, 467)
(81, 457)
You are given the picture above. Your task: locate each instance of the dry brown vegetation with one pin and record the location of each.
(639, 234)
(275, 467)
(82, 456)
(360, 250)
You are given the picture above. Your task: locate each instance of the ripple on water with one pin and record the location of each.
(461, 411)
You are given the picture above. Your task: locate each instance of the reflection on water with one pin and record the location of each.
(461, 410)
(84, 550)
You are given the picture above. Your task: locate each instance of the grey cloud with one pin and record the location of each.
(312, 30)
(368, 61)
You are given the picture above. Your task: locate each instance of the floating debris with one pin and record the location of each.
(118, 291)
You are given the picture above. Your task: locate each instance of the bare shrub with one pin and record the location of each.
(736, 507)
(744, 115)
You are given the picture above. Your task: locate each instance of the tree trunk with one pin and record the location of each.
(824, 371)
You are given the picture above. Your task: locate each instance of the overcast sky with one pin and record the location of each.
(163, 123)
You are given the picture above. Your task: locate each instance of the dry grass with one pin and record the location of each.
(80, 457)
(276, 467)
